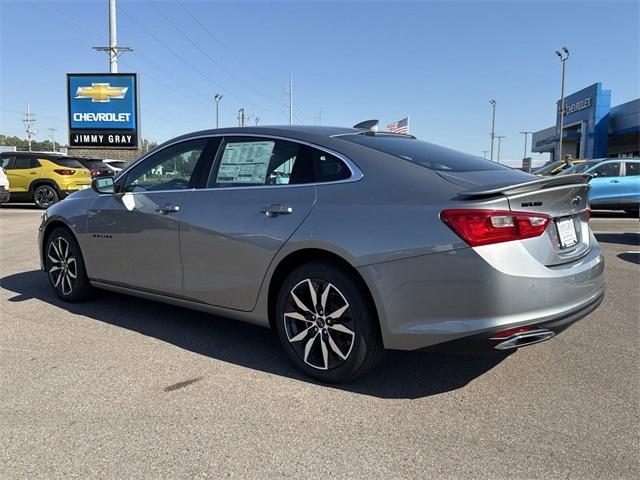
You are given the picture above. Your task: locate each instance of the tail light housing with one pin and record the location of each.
(484, 227)
(65, 171)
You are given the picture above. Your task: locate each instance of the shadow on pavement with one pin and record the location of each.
(633, 257)
(610, 214)
(20, 206)
(401, 375)
(619, 238)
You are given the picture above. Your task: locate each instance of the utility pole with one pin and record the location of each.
(257, 120)
(113, 49)
(499, 137)
(217, 97)
(320, 118)
(525, 142)
(493, 125)
(53, 142)
(484, 153)
(290, 98)
(241, 117)
(563, 55)
(29, 122)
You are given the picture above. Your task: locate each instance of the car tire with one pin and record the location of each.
(65, 266)
(328, 348)
(44, 196)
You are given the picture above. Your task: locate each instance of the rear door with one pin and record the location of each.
(135, 234)
(258, 192)
(606, 185)
(631, 184)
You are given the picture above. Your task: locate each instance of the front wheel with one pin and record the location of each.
(65, 266)
(44, 196)
(326, 323)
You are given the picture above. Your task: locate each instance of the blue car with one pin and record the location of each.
(615, 183)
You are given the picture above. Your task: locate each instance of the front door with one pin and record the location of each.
(258, 193)
(21, 172)
(606, 185)
(134, 235)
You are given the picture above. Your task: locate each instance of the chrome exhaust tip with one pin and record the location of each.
(525, 338)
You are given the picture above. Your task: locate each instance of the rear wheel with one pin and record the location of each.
(65, 266)
(326, 323)
(44, 196)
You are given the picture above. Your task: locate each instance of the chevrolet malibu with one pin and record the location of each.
(346, 242)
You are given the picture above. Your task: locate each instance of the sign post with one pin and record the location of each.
(103, 110)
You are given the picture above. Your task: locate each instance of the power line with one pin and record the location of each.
(206, 54)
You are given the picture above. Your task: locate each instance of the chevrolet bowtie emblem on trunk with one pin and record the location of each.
(576, 201)
(101, 92)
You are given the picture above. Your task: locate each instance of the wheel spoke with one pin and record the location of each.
(341, 328)
(325, 353)
(57, 280)
(314, 297)
(301, 335)
(324, 297)
(72, 261)
(54, 269)
(338, 313)
(297, 316)
(299, 303)
(56, 251)
(335, 348)
(66, 248)
(307, 347)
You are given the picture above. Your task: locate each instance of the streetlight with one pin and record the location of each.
(525, 142)
(499, 137)
(563, 55)
(217, 97)
(493, 125)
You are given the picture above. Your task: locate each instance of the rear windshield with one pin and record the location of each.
(117, 164)
(66, 162)
(426, 154)
(94, 164)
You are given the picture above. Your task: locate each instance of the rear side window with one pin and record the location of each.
(329, 168)
(608, 170)
(5, 161)
(66, 162)
(633, 169)
(425, 154)
(23, 163)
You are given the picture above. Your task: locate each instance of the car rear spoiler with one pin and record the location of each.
(533, 185)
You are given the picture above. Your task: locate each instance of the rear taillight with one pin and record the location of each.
(96, 171)
(484, 227)
(65, 171)
(513, 331)
(588, 214)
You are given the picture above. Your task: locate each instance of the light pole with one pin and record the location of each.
(499, 137)
(493, 125)
(484, 153)
(525, 142)
(563, 55)
(217, 97)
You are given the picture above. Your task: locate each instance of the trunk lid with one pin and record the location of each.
(564, 198)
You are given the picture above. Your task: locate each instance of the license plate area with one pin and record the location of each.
(567, 235)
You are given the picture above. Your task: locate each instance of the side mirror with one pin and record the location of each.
(594, 174)
(103, 185)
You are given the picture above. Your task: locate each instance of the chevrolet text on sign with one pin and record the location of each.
(103, 110)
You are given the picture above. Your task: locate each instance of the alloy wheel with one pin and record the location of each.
(318, 324)
(63, 271)
(45, 197)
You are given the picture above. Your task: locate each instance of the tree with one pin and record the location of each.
(23, 143)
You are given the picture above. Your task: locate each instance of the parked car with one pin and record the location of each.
(43, 178)
(114, 165)
(615, 185)
(4, 186)
(581, 167)
(96, 166)
(554, 168)
(346, 242)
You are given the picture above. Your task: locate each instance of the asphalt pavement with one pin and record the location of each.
(121, 387)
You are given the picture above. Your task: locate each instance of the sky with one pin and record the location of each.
(437, 62)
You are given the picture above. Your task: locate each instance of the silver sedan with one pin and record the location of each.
(346, 242)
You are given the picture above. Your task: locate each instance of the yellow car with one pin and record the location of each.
(554, 168)
(43, 179)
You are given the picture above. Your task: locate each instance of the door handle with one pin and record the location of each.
(33, 173)
(615, 181)
(168, 208)
(276, 209)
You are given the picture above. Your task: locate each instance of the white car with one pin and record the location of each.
(4, 187)
(115, 165)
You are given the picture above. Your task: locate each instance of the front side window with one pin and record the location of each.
(170, 169)
(4, 161)
(608, 170)
(254, 161)
(632, 169)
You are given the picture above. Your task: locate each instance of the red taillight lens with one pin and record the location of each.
(512, 331)
(484, 227)
(65, 171)
(96, 171)
(588, 214)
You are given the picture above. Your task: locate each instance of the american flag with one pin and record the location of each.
(401, 126)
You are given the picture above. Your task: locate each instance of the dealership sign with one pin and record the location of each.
(103, 110)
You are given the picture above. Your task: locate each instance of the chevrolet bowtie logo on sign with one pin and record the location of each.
(103, 110)
(101, 92)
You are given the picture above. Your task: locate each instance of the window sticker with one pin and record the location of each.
(245, 162)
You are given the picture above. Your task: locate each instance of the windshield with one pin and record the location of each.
(544, 170)
(579, 168)
(425, 154)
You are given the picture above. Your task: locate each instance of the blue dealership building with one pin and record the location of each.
(592, 128)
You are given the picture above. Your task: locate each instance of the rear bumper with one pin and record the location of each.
(456, 300)
(4, 196)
